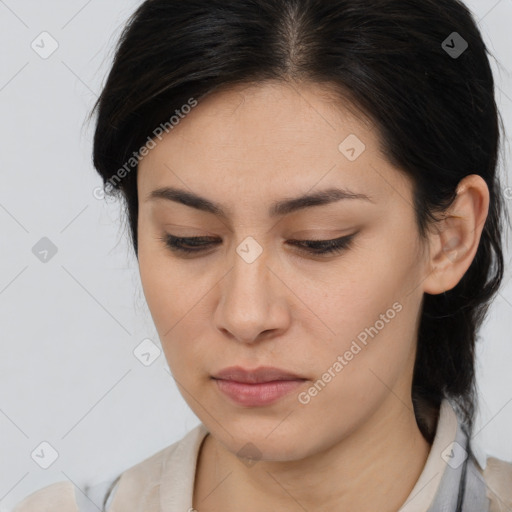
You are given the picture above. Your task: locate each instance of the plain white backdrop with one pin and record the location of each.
(72, 311)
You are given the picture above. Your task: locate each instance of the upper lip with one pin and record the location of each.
(257, 375)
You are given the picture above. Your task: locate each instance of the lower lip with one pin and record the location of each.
(263, 393)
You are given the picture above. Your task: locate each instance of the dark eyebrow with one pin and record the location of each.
(278, 208)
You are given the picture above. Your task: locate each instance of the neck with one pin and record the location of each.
(383, 457)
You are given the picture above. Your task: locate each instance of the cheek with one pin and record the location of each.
(163, 281)
(175, 301)
(164, 289)
(357, 371)
(372, 322)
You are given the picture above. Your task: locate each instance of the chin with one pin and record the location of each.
(265, 440)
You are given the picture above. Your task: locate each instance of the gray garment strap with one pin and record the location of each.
(462, 488)
(475, 495)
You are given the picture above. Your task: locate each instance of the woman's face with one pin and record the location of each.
(346, 322)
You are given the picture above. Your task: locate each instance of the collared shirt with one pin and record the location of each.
(164, 482)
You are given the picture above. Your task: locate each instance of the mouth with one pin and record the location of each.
(256, 376)
(259, 387)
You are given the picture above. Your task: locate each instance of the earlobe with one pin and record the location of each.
(457, 236)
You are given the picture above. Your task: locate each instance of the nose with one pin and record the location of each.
(253, 303)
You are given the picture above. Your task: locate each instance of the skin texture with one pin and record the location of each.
(357, 439)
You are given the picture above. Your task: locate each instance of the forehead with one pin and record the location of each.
(265, 140)
(271, 113)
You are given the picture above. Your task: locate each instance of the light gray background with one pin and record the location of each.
(68, 375)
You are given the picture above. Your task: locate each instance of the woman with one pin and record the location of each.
(313, 202)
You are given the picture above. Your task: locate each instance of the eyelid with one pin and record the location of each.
(214, 239)
(202, 244)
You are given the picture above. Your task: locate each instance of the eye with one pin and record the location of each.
(191, 245)
(187, 245)
(324, 247)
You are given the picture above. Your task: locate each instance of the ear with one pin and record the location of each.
(455, 239)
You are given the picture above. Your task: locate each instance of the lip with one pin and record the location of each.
(258, 387)
(257, 375)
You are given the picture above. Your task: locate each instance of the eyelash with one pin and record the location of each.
(314, 247)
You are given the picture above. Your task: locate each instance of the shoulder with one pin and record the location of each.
(139, 486)
(57, 497)
(151, 467)
(64, 497)
(498, 479)
(139, 481)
